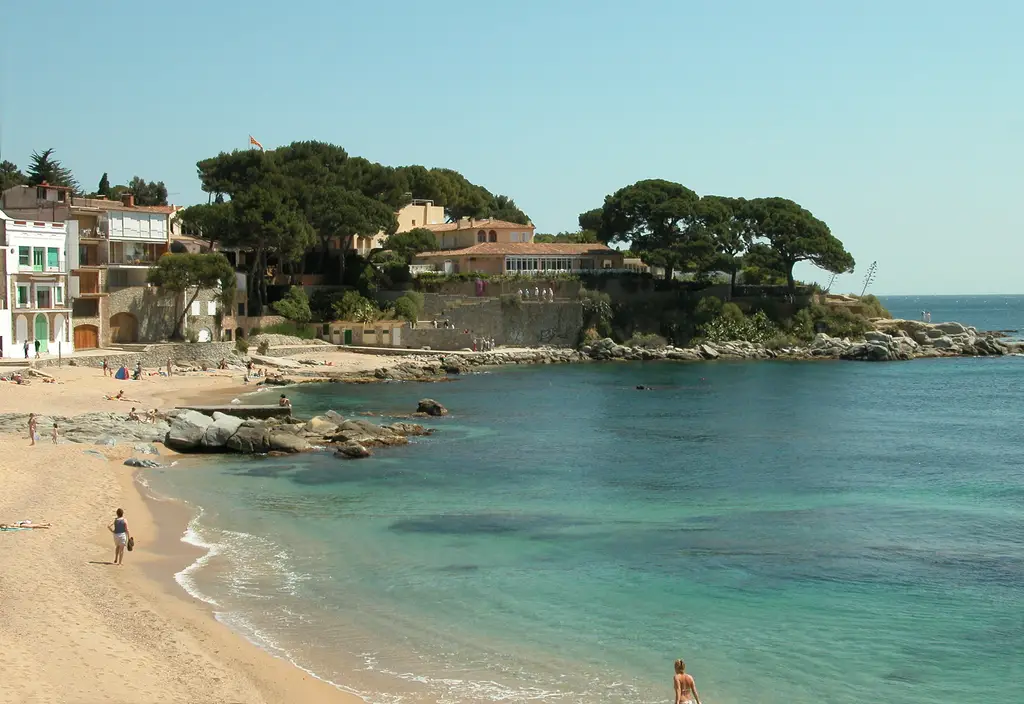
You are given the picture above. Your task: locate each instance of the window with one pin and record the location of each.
(492, 237)
(241, 310)
(196, 308)
(514, 237)
(61, 196)
(58, 294)
(481, 236)
(24, 256)
(43, 297)
(211, 307)
(85, 308)
(414, 223)
(40, 193)
(22, 296)
(53, 258)
(38, 255)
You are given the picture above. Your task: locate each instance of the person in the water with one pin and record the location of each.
(686, 688)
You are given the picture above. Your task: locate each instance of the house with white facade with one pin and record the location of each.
(35, 309)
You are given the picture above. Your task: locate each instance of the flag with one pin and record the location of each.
(253, 142)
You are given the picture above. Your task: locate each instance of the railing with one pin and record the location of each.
(417, 269)
(132, 261)
(97, 233)
(60, 268)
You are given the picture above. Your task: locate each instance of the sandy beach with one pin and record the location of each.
(79, 629)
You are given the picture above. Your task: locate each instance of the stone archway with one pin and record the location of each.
(124, 328)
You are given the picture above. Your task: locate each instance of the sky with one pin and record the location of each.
(900, 124)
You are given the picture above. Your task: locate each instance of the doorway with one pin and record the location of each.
(42, 331)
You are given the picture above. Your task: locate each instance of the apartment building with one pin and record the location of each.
(35, 312)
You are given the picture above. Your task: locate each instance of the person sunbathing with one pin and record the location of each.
(132, 415)
(23, 525)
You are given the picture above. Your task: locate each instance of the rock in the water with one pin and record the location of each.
(431, 407)
(334, 417)
(187, 431)
(220, 431)
(134, 462)
(366, 433)
(287, 442)
(146, 449)
(320, 425)
(408, 429)
(250, 439)
(351, 451)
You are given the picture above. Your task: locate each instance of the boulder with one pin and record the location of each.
(287, 442)
(951, 328)
(334, 417)
(408, 429)
(278, 362)
(707, 352)
(366, 433)
(187, 431)
(320, 425)
(351, 451)
(431, 407)
(943, 343)
(220, 431)
(133, 462)
(250, 439)
(875, 336)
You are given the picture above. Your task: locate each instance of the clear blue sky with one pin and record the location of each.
(901, 124)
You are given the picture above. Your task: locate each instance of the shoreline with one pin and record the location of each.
(173, 556)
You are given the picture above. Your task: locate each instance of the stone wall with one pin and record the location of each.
(439, 339)
(521, 323)
(182, 354)
(153, 312)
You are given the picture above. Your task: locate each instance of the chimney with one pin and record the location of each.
(128, 200)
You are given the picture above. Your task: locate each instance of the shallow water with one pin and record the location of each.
(798, 532)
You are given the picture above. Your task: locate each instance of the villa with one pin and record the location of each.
(34, 304)
(520, 258)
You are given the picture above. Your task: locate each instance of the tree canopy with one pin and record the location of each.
(669, 225)
(407, 244)
(44, 168)
(147, 192)
(294, 306)
(11, 175)
(177, 274)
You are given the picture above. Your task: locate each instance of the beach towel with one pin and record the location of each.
(122, 374)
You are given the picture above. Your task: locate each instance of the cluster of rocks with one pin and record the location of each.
(89, 428)
(192, 431)
(891, 340)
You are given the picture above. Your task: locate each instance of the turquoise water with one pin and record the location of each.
(798, 532)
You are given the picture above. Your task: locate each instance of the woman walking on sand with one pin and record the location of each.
(686, 688)
(121, 535)
(33, 428)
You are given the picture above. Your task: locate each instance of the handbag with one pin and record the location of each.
(131, 544)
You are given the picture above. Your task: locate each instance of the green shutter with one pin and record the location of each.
(38, 256)
(52, 258)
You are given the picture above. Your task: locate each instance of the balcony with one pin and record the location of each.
(98, 232)
(58, 267)
(128, 254)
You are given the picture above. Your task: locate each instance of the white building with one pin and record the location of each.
(34, 306)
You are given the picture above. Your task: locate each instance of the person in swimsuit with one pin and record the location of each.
(120, 530)
(686, 688)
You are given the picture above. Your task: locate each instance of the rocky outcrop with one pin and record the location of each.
(101, 428)
(191, 431)
(431, 407)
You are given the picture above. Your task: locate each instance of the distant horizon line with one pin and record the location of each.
(947, 295)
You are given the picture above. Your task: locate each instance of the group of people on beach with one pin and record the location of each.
(33, 430)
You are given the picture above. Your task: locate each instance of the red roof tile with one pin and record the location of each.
(477, 225)
(523, 249)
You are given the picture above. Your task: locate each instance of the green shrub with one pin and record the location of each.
(242, 345)
(708, 308)
(263, 347)
(731, 311)
(306, 332)
(405, 309)
(294, 306)
(756, 328)
(646, 340)
(874, 306)
(192, 336)
(356, 308)
(837, 322)
(782, 340)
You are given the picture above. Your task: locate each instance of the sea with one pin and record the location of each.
(797, 532)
